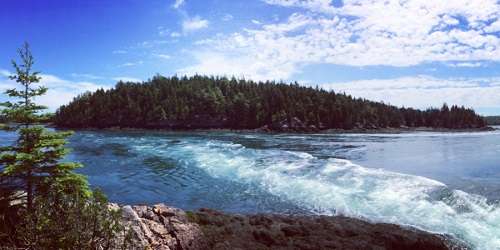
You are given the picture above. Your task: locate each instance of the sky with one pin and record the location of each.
(412, 53)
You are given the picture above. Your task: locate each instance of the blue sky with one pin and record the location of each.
(408, 53)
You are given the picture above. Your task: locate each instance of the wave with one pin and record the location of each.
(419, 134)
(335, 186)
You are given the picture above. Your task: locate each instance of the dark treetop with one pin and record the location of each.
(213, 102)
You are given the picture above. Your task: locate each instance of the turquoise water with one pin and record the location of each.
(440, 182)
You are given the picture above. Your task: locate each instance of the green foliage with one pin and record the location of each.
(43, 203)
(213, 102)
(34, 162)
(68, 220)
(24, 111)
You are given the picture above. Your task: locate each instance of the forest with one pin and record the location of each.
(220, 102)
(492, 120)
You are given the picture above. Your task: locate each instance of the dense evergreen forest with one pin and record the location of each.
(492, 120)
(219, 102)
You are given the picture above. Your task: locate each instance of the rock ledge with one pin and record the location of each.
(163, 227)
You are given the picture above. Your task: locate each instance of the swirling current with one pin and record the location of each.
(440, 182)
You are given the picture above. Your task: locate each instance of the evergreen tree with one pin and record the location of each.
(35, 159)
(43, 203)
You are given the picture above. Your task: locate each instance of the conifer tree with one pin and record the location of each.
(43, 203)
(33, 164)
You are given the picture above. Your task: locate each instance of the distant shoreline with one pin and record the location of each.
(408, 130)
(328, 131)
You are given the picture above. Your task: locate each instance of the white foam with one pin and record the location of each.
(419, 134)
(335, 186)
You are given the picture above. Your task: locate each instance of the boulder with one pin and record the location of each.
(162, 227)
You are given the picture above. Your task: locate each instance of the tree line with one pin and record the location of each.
(220, 102)
(492, 120)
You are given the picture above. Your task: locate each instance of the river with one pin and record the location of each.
(439, 182)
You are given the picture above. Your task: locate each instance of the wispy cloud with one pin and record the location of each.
(175, 34)
(162, 31)
(60, 91)
(465, 64)
(177, 4)
(257, 22)
(162, 56)
(130, 64)
(426, 91)
(193, 24)
(126, 79)
(86, 76)
(5, 73)
(227, 17)
(363, 33)
(189, 23)
(119, 51)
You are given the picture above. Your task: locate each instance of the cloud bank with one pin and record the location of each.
(425, 91)
(60, 91)
(358, 33)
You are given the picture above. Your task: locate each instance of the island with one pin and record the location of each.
(202, 102)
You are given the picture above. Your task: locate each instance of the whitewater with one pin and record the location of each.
(336, 186)
(447, 183)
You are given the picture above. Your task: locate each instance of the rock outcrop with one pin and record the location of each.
(268, 231)
(292, 125)
(162, 227)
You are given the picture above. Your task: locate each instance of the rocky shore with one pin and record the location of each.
(294, 125)
(163, 227)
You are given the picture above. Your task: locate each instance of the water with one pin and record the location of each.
(439, 182)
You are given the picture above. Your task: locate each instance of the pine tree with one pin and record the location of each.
(44, 204)
(33, 164)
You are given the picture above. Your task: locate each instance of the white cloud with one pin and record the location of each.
(227, 17)
(364, 33)
(465, 65)
(257, 22)
(493, 27)
(314, 5)
(150, 44)
(189, 24)
(126, 79)
(119, 51)
(193, 24)
(163, 56)
(177, 4)
(162, 31)
(60, 91)
(425, 91)
(5, 73)
(87, 76)
(130, 64)
(213, 63)
(175, 34)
